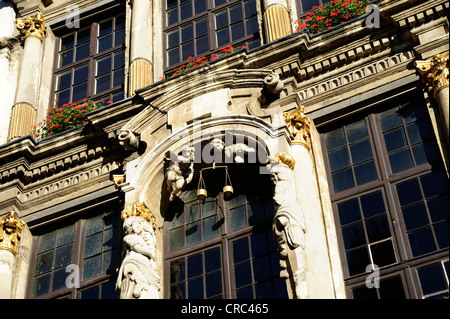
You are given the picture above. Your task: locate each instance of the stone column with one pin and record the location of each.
(141, 68)
(434, 74)
(10, 234)
(276, 19)
(138, 276)
(23, 114)
(318, 274)
(7, 26)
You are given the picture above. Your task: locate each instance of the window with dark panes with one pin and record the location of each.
(308, 5)
(90, 62)
(196, 28)
(390, 196)
(223, 247)
(88, 249)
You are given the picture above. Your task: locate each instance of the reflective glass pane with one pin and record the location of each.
(195, 288)
(255, 212)
(119, 77)
(63, 256)
(392, 288)
(103, 83)
(221, 20)
(441, 232)
(44, 263)
(213, 284)
(401, 161)
(409, 192)
(338, 159)
(63, 97)
(335, 138)
(173, 56)
(258, 244)
(357, 260)
(356, 131)
(418, 131)
(176, 239)
(94, 225)
(364, 293)
(439, 208)
(119, 59)
(378, 228)
(91, 267)
(110, 261)
(422, 241)
(383, 253)
(209, 207)
(90, 293)
(261, 268)
(432, 279)
(79, 92)
(83, 36)
(59, 279)
(193, 233)
(349, 212)
(210, 228)
(187, 50)
(202, 45)
(119, 37)
(65, 235)
(65, 58)
(433, 184)
(238, 218)
(240, 250)
(242, 274)
(395, 140)
(250, 8)
(81, 74)
(223, 37)
(235, 13)
(93, 245)
(390, 119)
(212, 260)
(365, 173)
(361, 151)
(172, 16)
(195, 265)
(309, 4)
(187, 33)
(83, 51)
(104, 43)
(67, 42)
(236, 201)
(64, 80)
(425, 153)
(372, 204)
(173, 39)
(186, 11)
(219, 2)
(252, 25)
(105, 27)
(343, 180)
(104, 65)
(110, 238)
(41, 285)
(200, 6)
(353, 236)
(237, 31)
(177, 271)
(415, 216)
(192, 212)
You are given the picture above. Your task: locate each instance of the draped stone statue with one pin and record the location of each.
(138, 277)
(289, 225)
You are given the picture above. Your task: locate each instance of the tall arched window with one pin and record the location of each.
(223, 247)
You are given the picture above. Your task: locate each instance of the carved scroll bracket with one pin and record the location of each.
(10, 232)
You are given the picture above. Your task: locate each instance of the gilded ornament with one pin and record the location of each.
(139, 210)
(434, 73)
(10, 232)
(300, 126)
(284, 158)
(32, 27)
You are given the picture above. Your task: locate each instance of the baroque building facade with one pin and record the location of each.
(302, 166)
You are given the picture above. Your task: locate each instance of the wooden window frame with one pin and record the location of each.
(90, 60)
(211, 10)
(386, 182)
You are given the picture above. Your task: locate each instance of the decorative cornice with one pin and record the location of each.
(32, 27)
(300, 126)
(10, 232)
(434, 73)
(139, 210)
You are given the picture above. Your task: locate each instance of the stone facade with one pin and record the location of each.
(279, 98)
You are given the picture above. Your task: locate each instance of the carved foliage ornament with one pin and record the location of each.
(434, 73)
(10, 232)
(32, 27)
(300, 126)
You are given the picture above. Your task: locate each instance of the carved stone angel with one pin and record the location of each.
(138, 277)
(180, 172)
